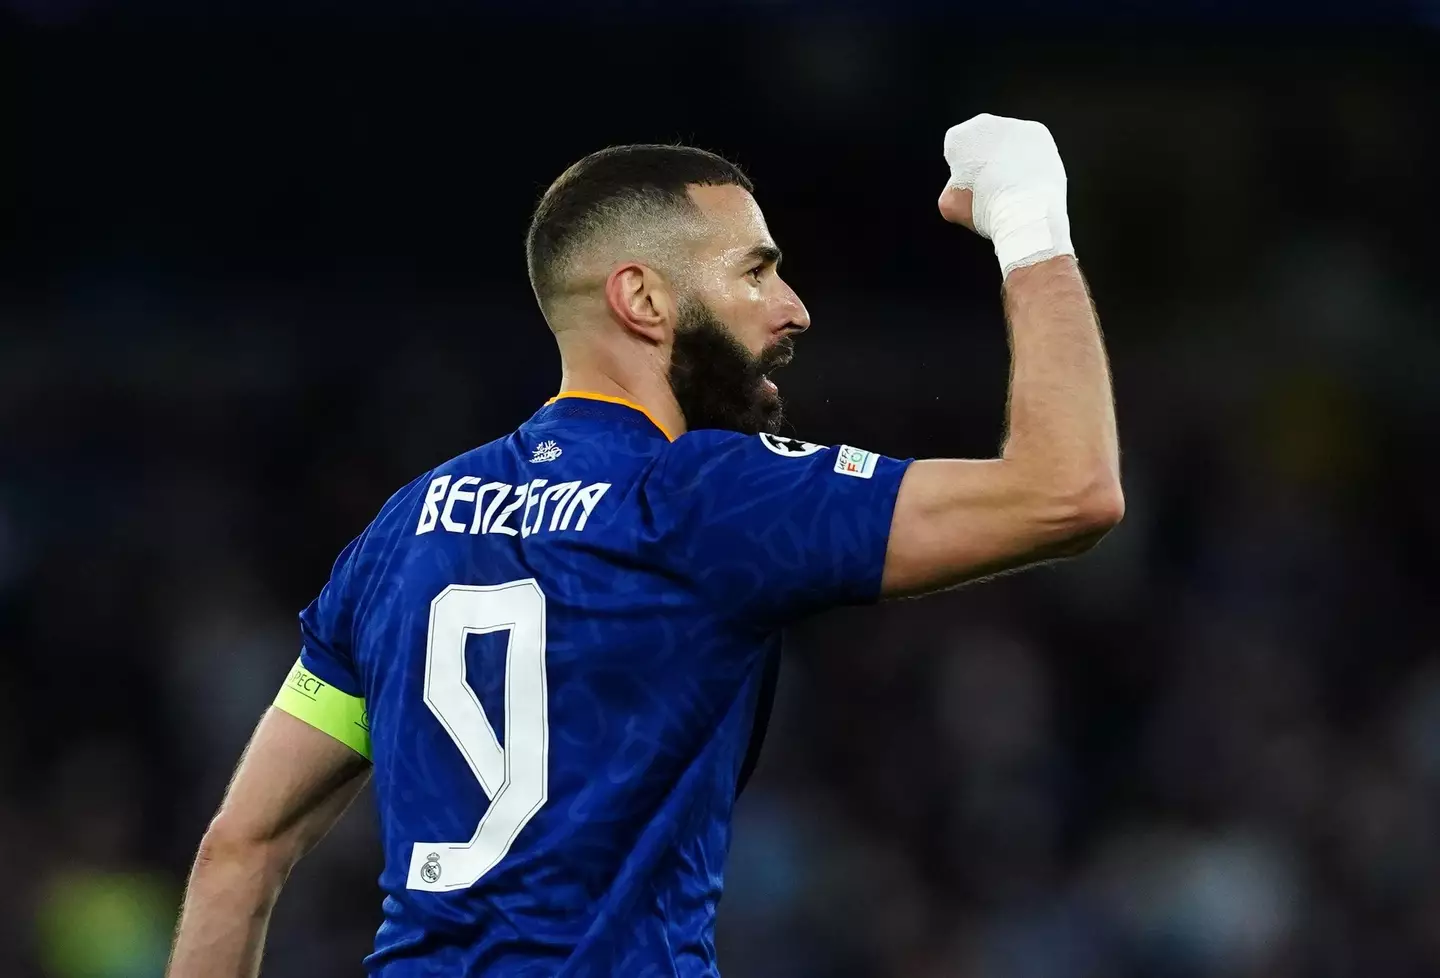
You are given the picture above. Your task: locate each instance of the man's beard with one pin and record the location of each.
(717, 382)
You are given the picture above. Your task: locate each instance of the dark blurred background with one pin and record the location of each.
(262, 264)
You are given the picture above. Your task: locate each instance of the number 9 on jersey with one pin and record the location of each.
(515, 778)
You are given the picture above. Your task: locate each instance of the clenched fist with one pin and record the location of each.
(1007, 183)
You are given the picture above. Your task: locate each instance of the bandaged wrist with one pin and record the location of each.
(1026, 227)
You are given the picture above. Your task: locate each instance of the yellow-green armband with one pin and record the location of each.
(305, 696)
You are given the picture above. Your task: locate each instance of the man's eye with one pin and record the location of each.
(756, 272)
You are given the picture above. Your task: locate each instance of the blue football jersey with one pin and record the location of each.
(561, 641)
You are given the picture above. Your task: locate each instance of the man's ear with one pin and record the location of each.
(641, 301)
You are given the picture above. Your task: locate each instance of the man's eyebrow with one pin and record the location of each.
(766, 253)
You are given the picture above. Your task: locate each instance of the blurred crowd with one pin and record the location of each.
(1209, 749)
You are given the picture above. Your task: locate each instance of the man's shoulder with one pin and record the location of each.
(697, 451)
(710, 441)
(488, 453)
(493, 459)
(405, 501)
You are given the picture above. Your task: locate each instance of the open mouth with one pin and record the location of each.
(778, 358)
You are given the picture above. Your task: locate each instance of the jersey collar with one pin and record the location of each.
(622, 407)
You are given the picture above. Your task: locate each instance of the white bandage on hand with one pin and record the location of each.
(1014, 171)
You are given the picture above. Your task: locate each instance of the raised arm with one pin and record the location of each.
(1055, 489)
(292, 784)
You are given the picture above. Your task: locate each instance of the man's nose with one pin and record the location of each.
(798, 317)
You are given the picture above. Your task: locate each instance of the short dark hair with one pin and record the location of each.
(610, 185)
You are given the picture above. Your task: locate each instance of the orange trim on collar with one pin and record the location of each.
(611, 399)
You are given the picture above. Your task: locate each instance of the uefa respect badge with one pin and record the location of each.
(856, 462)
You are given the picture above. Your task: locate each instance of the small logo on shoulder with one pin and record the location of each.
(546, 451)
(789, 447)
(430, 872)
(856, 462)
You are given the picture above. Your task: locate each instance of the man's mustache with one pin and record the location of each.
(778, 355)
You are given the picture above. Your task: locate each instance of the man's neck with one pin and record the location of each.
(654, 396)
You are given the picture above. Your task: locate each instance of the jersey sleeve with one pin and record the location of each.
(775, 528)
(323, 688)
